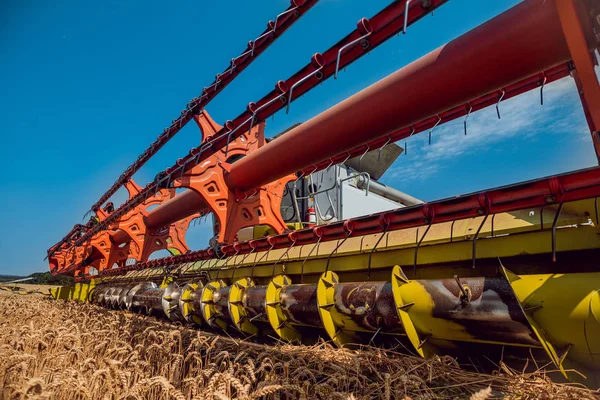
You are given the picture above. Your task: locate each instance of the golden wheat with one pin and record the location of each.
(68, 350)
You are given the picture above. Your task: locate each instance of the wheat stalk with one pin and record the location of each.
(65, 350)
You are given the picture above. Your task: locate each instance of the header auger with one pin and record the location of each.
(307, 243)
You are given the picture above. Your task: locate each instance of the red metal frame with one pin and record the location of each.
(128, 238)
(207, 180)
(575, 24)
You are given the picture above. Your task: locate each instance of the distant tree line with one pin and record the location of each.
(46, 278)
(41, 278)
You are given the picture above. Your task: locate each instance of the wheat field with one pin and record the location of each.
(69, 350)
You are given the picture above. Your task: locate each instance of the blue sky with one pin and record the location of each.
(86, 86)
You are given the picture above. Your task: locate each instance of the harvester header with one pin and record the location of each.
(309, 244)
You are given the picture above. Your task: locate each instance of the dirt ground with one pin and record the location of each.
(69, 350)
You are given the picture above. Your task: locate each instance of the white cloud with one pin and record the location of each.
(523, 119)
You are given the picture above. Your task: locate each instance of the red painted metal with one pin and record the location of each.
(576, 27)
(525, 40)
(120, 237)
(128, 238)
(233, 214)
(571, 186)
(179, 207)
(209, 193)
(384, 25)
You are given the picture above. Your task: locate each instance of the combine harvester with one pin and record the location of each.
(308, 244)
